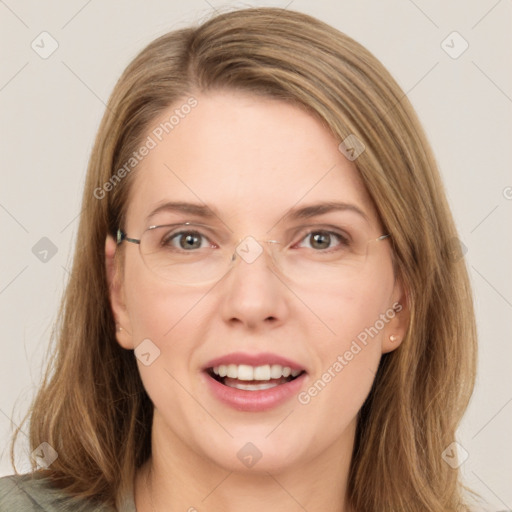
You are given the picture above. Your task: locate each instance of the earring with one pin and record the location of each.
(118, 328)
(393, 338)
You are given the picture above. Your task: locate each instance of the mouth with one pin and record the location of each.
(254, 382)
(253, 378)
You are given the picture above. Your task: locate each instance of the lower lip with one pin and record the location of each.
(254, 401)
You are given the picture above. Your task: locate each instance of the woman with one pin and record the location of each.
(267, 294)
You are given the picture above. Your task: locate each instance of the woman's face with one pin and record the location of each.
(326, 313)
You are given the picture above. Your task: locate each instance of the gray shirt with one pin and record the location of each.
(28, 493)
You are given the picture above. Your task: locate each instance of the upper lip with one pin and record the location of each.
(260, 359)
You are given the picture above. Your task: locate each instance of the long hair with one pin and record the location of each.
(92, 407)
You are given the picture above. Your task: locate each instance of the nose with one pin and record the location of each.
(252, 293)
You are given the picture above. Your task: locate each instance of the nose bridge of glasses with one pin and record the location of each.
(249, 249)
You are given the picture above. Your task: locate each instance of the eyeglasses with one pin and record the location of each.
(193, 253)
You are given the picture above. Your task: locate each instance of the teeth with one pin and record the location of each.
(247, 372)
(232, 371)
(276, 371)
(262, 372)
(252, 387)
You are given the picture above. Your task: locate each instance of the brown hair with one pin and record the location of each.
(92, 407)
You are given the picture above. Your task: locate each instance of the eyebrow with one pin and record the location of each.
(315, 210)
(198, 210)
(304, 212)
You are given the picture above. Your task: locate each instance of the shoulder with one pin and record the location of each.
(32, 493)
(487, 508)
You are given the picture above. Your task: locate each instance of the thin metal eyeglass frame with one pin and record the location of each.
(122, 236)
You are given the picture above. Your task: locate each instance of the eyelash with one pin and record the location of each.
(342, 239)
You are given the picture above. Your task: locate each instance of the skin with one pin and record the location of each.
(252, 159)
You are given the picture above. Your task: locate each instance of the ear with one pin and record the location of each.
(116, 294)
(399, 316)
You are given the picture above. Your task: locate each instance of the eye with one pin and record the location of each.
(323, 239)
(185, 240)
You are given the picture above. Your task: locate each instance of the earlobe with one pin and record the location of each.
(398, 325)
(116, 295)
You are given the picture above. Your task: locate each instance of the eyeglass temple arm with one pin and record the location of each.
(121, 236)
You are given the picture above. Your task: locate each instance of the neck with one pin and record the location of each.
(177, 478)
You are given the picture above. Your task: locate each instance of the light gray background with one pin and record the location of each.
(50, 110)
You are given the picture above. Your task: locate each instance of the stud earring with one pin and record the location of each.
(119, 328)
(393, 338)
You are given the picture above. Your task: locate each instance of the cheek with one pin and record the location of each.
(162, 321)
(353, 307)
(154, 308)
(348, 353)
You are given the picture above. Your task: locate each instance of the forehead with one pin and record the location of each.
(252, 158)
